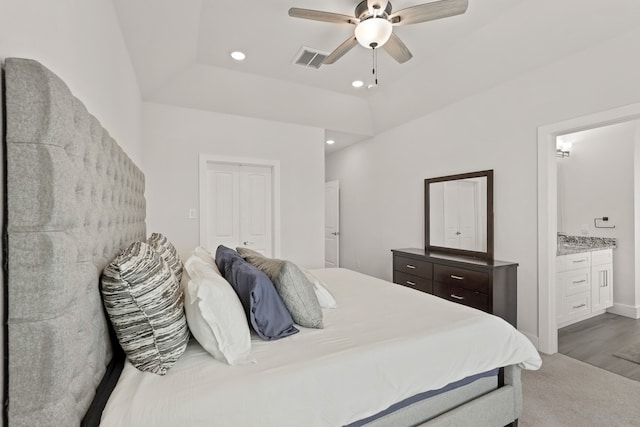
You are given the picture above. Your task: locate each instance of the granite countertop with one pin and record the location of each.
(576, 244)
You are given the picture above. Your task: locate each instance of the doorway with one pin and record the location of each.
(239, 204)
(547, 214)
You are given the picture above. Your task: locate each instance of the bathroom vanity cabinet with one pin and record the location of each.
(584, 284)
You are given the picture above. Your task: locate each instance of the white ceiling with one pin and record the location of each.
(180, 52)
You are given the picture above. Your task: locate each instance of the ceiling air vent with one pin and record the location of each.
(310, 58)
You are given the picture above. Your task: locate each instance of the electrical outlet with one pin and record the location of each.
(192, 213)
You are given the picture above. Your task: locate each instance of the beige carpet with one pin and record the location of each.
(567, 392)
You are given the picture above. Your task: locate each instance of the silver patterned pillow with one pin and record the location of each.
(168, 252)
(144, 302)
(294, 288)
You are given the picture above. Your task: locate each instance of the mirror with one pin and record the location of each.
(459, 214)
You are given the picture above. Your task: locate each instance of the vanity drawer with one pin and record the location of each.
(461, 278)
(414, 282)
(574, 281)
(412, 266)
(462, 296)
(576, 305)
(573, 261)
(604, 256)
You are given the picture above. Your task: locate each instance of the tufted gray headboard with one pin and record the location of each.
(74, 200)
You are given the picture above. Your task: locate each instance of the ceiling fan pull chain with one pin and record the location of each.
(375, 67)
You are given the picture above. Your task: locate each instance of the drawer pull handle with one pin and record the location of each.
(411, 266)
(575, 282)
(453, 276)
(575, 261)
(458, 297)
(410, 283)
(580, 306)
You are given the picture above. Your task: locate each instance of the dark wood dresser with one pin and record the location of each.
(491, 286)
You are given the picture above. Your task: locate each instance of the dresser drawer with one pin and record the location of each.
(461, 278)
(462, 296)
(412, 266)
(415, 282)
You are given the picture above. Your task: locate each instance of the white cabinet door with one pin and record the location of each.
(602, 279)
(602, 289)
(238, 208)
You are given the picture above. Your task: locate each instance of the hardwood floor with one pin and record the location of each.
(595, 340)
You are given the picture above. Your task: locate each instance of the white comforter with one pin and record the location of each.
(382, 344)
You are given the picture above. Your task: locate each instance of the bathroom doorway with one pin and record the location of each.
(548, 220)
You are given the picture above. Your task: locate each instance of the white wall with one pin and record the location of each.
(173, 139)
(596, 180)
(82, 43)
(382, 180)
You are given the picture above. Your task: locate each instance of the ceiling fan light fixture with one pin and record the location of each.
(373, 32)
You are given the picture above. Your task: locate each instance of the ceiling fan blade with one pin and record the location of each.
(339, 52)
(316, 15)
(429, 12)
(397, 49)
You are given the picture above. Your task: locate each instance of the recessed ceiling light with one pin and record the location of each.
(237, 55)
(330, 141)
(357, 83)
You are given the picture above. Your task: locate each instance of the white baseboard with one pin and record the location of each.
(625, 310)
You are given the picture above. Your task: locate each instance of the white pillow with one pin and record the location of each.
(325, 298)
(215, 315)
(206, 256)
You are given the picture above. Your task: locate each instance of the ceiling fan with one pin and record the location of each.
(374, 23)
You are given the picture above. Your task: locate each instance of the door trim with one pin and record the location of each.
(547, 213)
(204, 160)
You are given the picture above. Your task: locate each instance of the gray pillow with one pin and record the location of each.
(262, 304)
(144, 302)
(246, 252)
(293, 286)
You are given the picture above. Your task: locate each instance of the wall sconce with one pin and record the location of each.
(562, 148)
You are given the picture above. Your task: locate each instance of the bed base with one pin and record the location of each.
(479, 404)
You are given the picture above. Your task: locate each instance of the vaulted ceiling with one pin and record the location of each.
(180, 52)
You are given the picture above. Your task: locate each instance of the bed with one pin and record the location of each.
(387, 355)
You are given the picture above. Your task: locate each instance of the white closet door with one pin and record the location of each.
(460, 221)
(467, 214)
(255, 208)
(451, 215)
(239, 207)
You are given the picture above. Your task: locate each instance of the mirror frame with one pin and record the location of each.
(488, 254)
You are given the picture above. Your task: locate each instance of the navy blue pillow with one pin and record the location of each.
(224, 258)
(262, 304)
